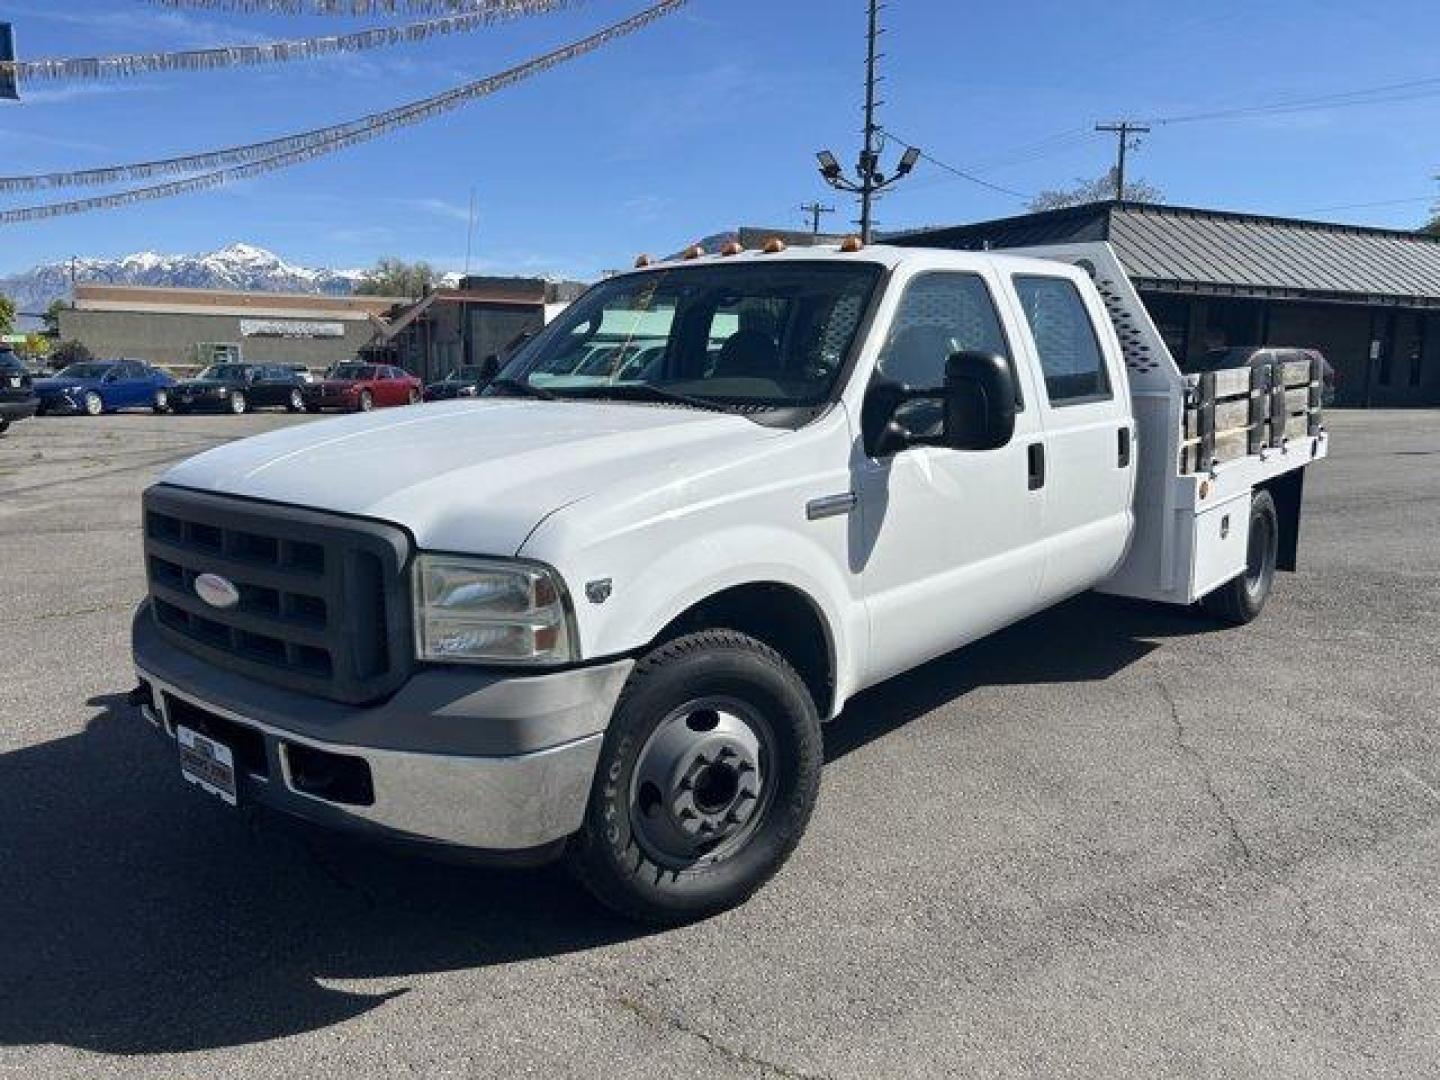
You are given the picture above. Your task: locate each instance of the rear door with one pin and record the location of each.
(133, 386)
(1088, 467)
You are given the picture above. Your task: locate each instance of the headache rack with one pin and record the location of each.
(323, 601)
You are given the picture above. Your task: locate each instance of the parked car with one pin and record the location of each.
(1239, 356)
(239, 388)
(605, 620)
(362, 387)
(462, 382)
(93, 387)
(304, 374)
(17, 392)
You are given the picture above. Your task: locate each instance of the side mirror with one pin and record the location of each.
(979, 401)
(974, 410)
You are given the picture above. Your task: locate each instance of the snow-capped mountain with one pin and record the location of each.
(239, 266)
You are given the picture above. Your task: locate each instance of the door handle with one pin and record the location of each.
(1036, 454)
(1125, 447)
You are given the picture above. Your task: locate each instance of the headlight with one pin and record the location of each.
(484, 611)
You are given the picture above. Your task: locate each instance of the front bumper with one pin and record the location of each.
(199, 402)
(18, 410)
(59, 404)
(458, 757)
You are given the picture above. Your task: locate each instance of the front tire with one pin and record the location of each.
(296, 402)
(1240, 601)
(161, 404)
(367, 401)
(707, 778)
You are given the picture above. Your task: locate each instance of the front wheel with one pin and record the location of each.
(161, 404)
(1240, 601)
(296, 402)
(367, 401)
(706, 780)
(239, 404)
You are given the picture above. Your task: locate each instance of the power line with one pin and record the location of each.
(329, 7)
(272, 52)
(961, 173)
(259, 158)
(1384, 93)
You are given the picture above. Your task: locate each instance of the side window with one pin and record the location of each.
(940, 314)
(1065, 339)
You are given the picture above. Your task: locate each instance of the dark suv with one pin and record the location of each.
(238, 388)
(17, 395)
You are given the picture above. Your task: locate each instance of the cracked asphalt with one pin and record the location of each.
(1113, 841)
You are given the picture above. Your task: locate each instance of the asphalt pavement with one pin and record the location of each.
(1113, 841)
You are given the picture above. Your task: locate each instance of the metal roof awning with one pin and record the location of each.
(1217, 253)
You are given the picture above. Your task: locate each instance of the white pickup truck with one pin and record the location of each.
(603, 611)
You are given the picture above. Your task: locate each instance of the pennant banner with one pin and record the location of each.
(337, 7)
(260, 158)
(273, 52)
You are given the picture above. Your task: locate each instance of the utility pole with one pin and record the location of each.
(1124, 129)
(871, 181)
(815, 209)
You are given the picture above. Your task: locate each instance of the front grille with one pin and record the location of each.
(322, 602)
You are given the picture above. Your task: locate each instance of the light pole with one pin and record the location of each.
(870, 180)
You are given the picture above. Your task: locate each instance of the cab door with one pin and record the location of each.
(950, 543)
(1089, 454)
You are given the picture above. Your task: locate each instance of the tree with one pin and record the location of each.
(7, 315)
(1100, 189)
(67, 353)
(395, 277)
(51, 318)
(1434, 227)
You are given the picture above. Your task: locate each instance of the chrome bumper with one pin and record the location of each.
(504, 803)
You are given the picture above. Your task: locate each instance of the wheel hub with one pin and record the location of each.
(698, 783)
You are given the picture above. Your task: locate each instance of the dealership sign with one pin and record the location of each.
(290, 328)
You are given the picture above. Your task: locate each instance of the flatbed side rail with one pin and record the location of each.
(1240, 411)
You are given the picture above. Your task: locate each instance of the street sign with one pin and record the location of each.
(8, 87)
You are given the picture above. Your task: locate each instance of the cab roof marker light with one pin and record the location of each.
(694, 251)
(734, 247)
(642, 262)
(851, 244)
(774, 246)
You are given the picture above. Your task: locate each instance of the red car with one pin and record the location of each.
(362, 387)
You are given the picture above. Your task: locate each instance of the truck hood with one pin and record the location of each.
(472, 476)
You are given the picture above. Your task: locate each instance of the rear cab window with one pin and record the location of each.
(1066, 344)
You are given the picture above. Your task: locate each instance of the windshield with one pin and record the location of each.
(85, 371)
(225, 372)
(740, 336)
(352, 371)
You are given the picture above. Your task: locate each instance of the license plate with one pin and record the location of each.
(205, 762)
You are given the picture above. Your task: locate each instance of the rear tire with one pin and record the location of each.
(1240, 601)
(239, 403)
(706, 780)
(367, 401)
(93, 403)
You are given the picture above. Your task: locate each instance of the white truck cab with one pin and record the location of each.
(602, 611)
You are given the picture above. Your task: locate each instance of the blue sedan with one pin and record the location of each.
(99, 386)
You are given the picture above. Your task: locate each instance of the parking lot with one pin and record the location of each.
(1112, 841)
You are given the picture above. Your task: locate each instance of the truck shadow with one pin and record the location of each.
(1087, 639)
(140, 917)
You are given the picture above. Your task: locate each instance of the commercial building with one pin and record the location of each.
(185, 328)
(1369, 299)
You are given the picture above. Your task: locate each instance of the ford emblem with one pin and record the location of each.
(217, 591)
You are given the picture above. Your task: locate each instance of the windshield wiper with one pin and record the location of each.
(524, 388)
(651, 392)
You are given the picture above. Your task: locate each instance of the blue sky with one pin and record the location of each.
(710, 119)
